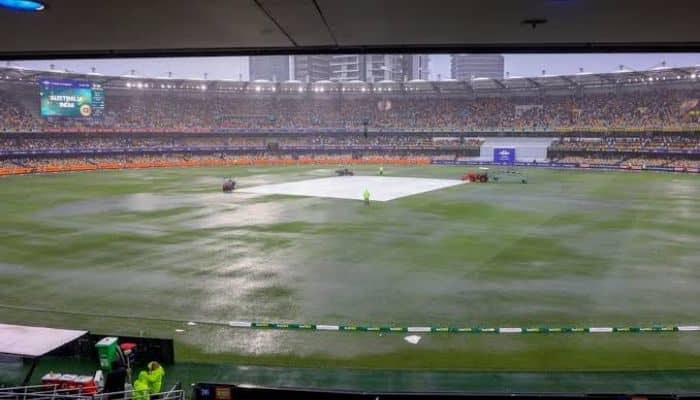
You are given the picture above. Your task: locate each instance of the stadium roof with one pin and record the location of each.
(85, 28)
(622, 77)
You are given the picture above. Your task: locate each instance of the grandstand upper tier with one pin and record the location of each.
(661, 99)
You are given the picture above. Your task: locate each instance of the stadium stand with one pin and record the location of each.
(625, 118)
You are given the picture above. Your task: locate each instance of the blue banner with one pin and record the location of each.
(504, 155)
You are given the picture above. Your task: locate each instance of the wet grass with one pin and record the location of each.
(569, 248)
(488, 353)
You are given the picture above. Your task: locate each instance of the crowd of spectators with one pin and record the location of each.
(630, 151)
(103, 161)
(13, 116)
(411, 125)
(181, 112)
(631, 162)
(68, 142)
(588, 160)
(627, 143)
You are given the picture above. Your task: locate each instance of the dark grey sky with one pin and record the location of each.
(237, 67)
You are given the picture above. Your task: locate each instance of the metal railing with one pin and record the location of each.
(53, 392)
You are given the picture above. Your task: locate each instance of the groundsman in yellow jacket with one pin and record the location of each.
(155, 377)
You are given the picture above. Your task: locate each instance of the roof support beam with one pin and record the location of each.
(568, 80)
(606, 78)
(533, 82)
(499, 82)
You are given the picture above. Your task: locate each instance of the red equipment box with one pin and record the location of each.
(83, 383)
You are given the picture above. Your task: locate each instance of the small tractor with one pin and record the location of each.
(482, 176)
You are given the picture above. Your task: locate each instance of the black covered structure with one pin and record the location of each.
(212, 391)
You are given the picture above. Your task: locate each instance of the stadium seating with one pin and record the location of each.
(658, 109)
(657, 126)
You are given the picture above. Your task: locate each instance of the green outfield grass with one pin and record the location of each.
(570, 248)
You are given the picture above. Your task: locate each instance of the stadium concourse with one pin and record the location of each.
(626, 118)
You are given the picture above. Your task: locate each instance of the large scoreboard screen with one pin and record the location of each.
(68, 98)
